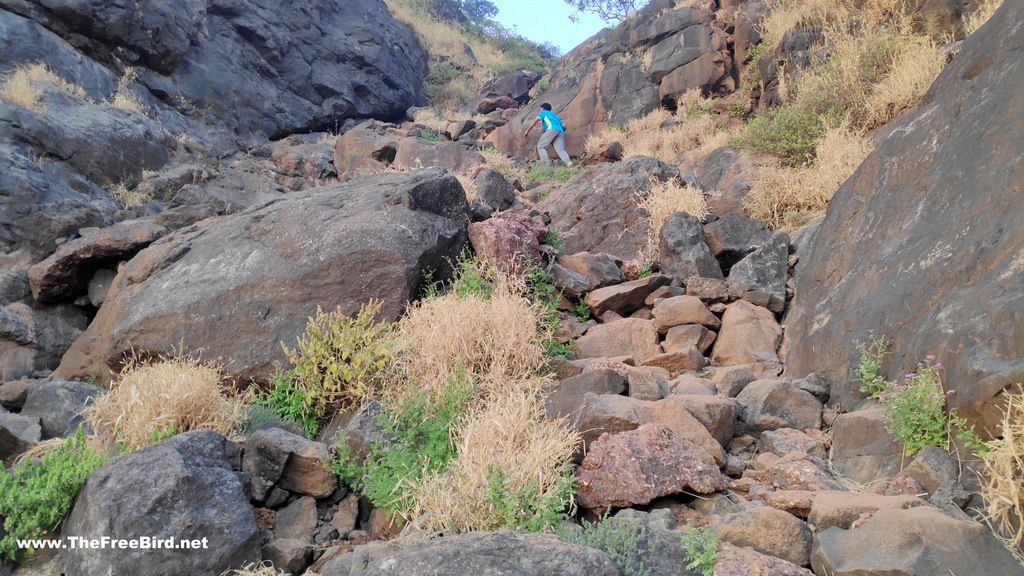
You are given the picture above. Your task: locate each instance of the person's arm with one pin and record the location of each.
(534, 123)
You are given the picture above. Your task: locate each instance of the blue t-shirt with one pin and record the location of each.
(550, 121)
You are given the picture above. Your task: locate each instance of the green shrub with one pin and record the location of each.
(556, 349)
(790, 132)
(623, 540)
(260, 414)
(339, 361)
(564, 173)
(872, 354)
(542, 84)
(34, 498)
(701, 548)
(755, 55)
(581, 310)
(419, 432)
(431, 137)
(473, 277)
(554, 240)
(522, 508)
(284, 399)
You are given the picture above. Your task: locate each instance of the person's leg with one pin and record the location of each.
(545, 141)
(560, 148)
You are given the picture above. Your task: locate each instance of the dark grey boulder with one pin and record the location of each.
(274, 456)
(59, 405)
(32, 340)
(182, 488)
(239, 286)
(494, 189)
(760, 278)
(682, 250)
(732, 237)
(17, 433)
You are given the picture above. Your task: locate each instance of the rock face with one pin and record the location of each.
(933, 217)
(239, 287)
(60, 405)
(596, 211)
(182, 488)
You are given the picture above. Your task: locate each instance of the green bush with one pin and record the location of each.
(755, 55)
(623, 540)
(260, 414)
(872, 354)
(521, 508)
(790, 132)
(284, 399)
(554, 240)
(701, 548)
(35, 497)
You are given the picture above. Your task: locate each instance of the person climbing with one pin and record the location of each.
(554, 133)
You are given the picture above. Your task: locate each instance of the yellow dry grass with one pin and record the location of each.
(17, 87)
(910, 75)
(469, 185)
(787, 15)
(130, 197)
(264, 568)
(505, 164)
(982, 14)
(149, 396)
(786, 198)
(497, 338)
(1003, 485)
(701, 134)
(124, 98)
(511, 435)
(664, 200)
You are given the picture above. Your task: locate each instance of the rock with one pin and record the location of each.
(566, 397)
(345, 562)
(933, 467)
(920, 540)
(297, 521)
(814, 385)
(288, 555)
(346, 515)
(511, 241)
(707, 289)
(795, 502)
(420, 153)
(768, 531)
(99, 285)
(607, 153)
(456, 130)
(66, 273)
(273, 456)
(625, 337)
(729, 173)
(370, 139)
(801, 474)
(732, 382)
(683, 252)
(17, 434)
(687, 359)
(862, 449)
(614, 414)
(733, 237)
(717, 414)
(625, 298)
(690, 385)
(502, 553)
(184, 216)
(488, 105)
(515, 85)
(14, 393)
(680, 310)
(494, 189)
(569, 283)
(596, 211)
(257, 272)
(912, 185)
(635, 467)
(60, 406)
(688, 336)
(735, 561)
(774, 404)
(599, 269)
(786, 440)
(182, 488)
(950, 494)
(749, 335)
(760, 278)
(35, 340)
(363, 431)
(646, 384)
(842, 509)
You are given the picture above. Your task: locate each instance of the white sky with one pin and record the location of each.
(547, 21)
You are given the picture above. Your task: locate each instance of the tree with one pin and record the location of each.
(479, 11)
(609, 10)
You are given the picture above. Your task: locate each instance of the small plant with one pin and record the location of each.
(259, 414)
(581, 310)
(790, 132)
(555, 241)
(542, 84)
(623, 540)
(701, 547)
(556, 349)
(35, 497)
(522, 507)
(914, 409)
(565, 173)
(755, 54)
(284, 399)
(540, 173)
(339, 361)
(124, 98)
(872, 354)
(430, 136)
(646, 270)
(473, 277)
(160, 434)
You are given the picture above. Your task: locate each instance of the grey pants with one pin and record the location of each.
(548, 138)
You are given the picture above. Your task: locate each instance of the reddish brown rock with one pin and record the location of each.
(774, 404)
(508, 240)
(749, 335)
(417, 152)
(277, 457)
(370, 139)
(843, 508)
(607, 153)
(636, 467)
(688, 336)
(488, 105)
(625, 298)
(566, 397)
(768, 531)
(707, 289)
(862, 448)
(786, 440)
(599, 269)
(795, 502)
(680, 310)
(717, 414)
(688, 384)
(789, 474)
(735, 561)
(679, 360)
(297, 521)
(625, 337)
(65, 274)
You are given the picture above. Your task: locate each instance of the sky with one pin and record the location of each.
(547, 21)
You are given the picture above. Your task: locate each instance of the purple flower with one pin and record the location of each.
(938, 364)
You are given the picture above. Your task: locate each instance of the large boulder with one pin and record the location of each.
(182, 489)
(238, 288)
(597, 210)
(933, 216)
(683, 251)
(33, 340)
(60, 406)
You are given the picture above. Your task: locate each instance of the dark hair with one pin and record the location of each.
(545, 106)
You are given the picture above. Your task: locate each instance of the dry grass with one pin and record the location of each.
(1003, 486)
(509, 434)
(154, 396)
(910, 75)
(506, 165)
(469, 185)
(787, 15)
(439, 120)
(497, 338)
(17, 86)
(124, 98)
(38, 450)
(664, 200)
(982, 14)
(700, 134)
(786, 198)
(262, 569)
(130, 197)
